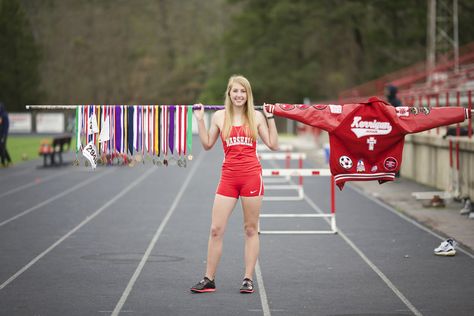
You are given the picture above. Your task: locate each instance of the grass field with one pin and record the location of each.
(23, 148)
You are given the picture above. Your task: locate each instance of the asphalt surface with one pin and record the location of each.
(132, 241)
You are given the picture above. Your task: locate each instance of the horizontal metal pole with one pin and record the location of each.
(297, 232)
(284, 147)
(296, 172)
(295, 215)
(284, 187)
(74, 106)
(281, 156)
(282, 198)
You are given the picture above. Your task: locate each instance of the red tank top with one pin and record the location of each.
(240, 153)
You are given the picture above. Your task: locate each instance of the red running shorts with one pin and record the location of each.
(235, 186)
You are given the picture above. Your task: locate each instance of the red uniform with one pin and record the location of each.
(366, 139)
(241, 169)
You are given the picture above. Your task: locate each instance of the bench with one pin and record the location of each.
(56, 147)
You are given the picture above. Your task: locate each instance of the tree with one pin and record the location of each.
(19, 58)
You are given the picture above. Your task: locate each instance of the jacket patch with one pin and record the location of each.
(335, 109)
(302, 106)
(345, 162)
(402, 111)
(320, 106)
(425, 110)
(390, 163)
(360, 166)
(414, 110)
(363, 128)
(286, 107)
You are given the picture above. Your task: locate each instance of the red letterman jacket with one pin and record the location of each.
(366, 139)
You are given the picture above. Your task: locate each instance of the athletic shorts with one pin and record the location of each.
(235, 186)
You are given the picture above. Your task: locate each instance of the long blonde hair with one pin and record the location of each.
(249, 109)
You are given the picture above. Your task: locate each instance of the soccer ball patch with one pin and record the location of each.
(345, 162)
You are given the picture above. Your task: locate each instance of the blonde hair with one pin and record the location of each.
(249, 109)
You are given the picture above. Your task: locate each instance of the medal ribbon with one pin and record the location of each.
(164, 130)
(189, 130)
(135, 127)
(181, 130)
(118, 128)
(131, 129)
(157, 130)
(171, 128)
(150, 125)
(78, 128)
(143, 131)
(98, 126)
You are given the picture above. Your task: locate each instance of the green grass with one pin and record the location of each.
(23, 148)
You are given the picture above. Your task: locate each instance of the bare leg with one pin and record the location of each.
(251, 207)
(221, 211)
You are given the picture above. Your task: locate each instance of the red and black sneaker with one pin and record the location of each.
(247, 286)
(205, 285)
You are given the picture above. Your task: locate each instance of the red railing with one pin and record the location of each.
(408, 76)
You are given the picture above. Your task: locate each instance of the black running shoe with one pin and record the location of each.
(205, 285)
(247, 286)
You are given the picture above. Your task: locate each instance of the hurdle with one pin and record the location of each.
(303, 173)
(287, 148)
(284, 179)
(283, 147)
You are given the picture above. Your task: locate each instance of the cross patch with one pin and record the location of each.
(371, 141)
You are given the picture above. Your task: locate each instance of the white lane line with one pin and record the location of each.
(408, 219)
(160, 229)
(88, 219)
(384, 278)
(57, 196)
(261, 291)
(33, 183)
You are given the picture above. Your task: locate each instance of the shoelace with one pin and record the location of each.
(248, 283)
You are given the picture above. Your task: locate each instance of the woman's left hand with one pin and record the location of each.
(268, 109)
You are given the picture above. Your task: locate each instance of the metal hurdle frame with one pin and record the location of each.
(286, 179)
(303, 173)
(287, 148)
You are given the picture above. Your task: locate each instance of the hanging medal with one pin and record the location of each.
(189, 133)
(171, 136)
(158, 136)
(78, 134)
(181, 135)
(164, 134)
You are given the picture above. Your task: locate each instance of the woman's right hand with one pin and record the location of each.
(199, 114)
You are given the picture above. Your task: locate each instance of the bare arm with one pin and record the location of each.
(208, 138)
(267, 129)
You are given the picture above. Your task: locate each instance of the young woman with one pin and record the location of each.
(238, 126)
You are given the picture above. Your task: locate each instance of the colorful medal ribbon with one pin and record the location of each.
(171, 128)
(145, 127)
(118, 128)
(131, 129)
(150, 125)
(164, 131)
(140, 131)
(143, 131)
(78, 128)
(152, 130)
(135, 127)
(157, 130)
(181, 135)
(189, 132)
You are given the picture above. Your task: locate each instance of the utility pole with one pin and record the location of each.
(442, 34)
